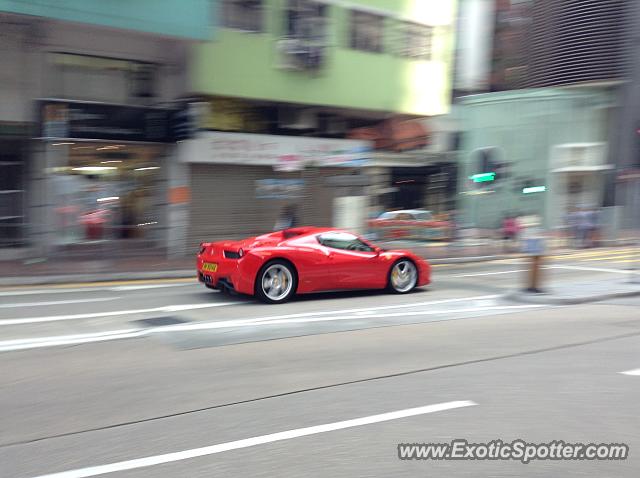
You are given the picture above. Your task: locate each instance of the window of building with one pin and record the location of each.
(344, 241)
(306, 19)
(244, 15)
(415, 41)
(12, 197)
(93, 78)
(367, 32)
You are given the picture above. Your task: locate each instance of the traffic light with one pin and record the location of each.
(486, 167)
(483, 177)
(530, 186)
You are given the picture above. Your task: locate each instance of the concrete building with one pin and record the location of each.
(85, 123)
(548, 148)
(324, 100)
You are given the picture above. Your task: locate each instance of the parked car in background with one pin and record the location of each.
(414, 224)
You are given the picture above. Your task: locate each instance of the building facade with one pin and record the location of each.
(576, 52)
(326, 99)
(88, 100)
(546, 151)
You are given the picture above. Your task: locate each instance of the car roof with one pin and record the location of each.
(411, 211)
(297, 232)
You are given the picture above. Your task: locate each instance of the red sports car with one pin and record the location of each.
(275, 266)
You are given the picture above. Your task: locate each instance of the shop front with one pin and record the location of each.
(103, 187)
(240, 183)
(14, 146)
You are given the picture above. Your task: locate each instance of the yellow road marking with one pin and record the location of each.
(582, 255)
(607, 258)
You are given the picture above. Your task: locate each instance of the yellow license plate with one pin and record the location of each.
(209, 267)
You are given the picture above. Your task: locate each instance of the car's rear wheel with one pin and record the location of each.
(276, 282)
(403, 276)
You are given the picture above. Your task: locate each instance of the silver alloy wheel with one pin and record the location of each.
(404, 276)
(277, 282)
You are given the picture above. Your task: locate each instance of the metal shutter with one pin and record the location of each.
(224, 205)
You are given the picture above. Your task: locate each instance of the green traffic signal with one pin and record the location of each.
(534, 189)
(483, 177)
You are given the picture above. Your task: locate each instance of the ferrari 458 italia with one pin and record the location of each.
(276, 266)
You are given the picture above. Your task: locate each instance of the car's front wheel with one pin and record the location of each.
(276, 282)
(403, 276)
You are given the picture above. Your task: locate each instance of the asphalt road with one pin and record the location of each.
(166, 378)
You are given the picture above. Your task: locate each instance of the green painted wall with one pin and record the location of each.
(245, 64)
(524, 125)
(180, 18)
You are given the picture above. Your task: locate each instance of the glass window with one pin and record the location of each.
(244, 15)
(367, 31)
(415, 41)
(424, 216)
(344, 241)
(306, 19)
(12, 197)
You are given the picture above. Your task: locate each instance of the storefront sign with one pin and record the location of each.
(279, 188)
(272, 150)
(80, 120)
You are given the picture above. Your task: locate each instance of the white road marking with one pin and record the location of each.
(310, 318)
(93, 315)
(151, 286)
(594, 269)
(258, 440)
(178, 308)
(488, 273)
(60, 340)
(55, 341)
(631, 372)
(8, 293)
(57, 302)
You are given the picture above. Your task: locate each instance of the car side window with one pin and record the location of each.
(344, 241)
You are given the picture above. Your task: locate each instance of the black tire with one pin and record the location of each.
(412, 282)
(284, 270)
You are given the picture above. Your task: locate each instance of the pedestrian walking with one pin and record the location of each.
(287, 219)
(510, 230)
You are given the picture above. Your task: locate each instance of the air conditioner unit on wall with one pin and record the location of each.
(298, 55)
(288, 51)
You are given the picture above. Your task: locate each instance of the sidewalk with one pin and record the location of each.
(581, 292)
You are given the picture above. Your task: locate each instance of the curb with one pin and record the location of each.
(544, 299)
(97, 278)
